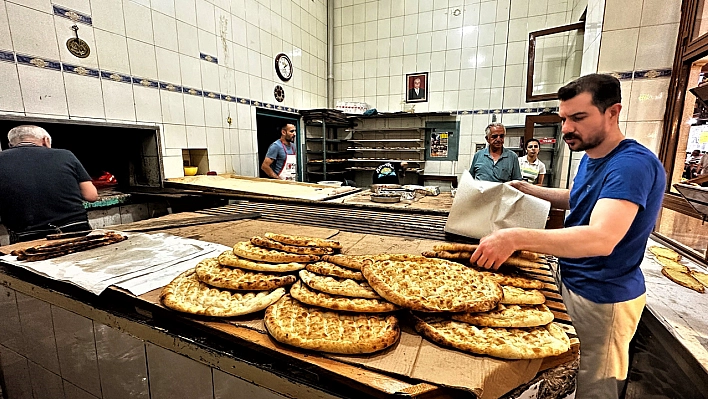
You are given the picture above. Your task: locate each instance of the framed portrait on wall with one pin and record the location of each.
(417, 87)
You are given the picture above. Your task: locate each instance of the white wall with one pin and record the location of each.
(162, 41)
(475, 52)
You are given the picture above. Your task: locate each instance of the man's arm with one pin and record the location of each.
(558, 197)
(516, 170)
(609, 222)
(266, 167)
(88, 191)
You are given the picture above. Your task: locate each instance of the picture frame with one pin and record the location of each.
(419, 79)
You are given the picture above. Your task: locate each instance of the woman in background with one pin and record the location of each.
(532, 169)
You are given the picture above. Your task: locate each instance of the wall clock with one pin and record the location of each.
(283, 67)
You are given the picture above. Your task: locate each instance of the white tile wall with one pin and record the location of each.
(162, 40)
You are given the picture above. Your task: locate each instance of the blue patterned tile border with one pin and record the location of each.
(211, 94)
(38, 62)
(170, 87)
(192, 91)
(652, 73)
(7, 56)
(228, 98)
(245, 101)
(116, 77)
(79, 70)
(207, 57)
(145, 82)
(72, 15)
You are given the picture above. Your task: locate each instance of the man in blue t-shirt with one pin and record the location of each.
(280, 161)
(614, 202)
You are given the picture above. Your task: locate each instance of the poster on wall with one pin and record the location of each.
(439, 144)
(697, 139)
(417, 87)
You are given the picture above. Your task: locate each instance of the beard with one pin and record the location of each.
(582, 144)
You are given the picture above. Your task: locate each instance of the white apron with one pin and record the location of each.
(289, 171)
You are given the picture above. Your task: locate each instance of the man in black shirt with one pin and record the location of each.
(41, 189)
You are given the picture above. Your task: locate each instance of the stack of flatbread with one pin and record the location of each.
(678, 272)
(463, 252)
(332, 308)
(246, 279)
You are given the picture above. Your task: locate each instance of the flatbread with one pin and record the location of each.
(210, 272)
(440, 286)
(304, 241)
(227, 258)
(187, 294)
(351, 261)
(291, 322)
(505, 343)
(293, 249)
(330, 269)
(335, 286)
(304, 294)
(513, 280)
(455, 247)
(701, 277)
(249, 251)
(465, 257)
(683, 279)
(665, 252)
(671, 264)
(509, 316)
(519, 296)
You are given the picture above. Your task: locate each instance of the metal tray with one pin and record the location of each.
(386, 199)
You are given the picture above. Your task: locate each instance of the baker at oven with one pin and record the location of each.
(281, 158)
(42, 189)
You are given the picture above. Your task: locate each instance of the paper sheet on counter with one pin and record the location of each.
(482, 207)
(139, 264)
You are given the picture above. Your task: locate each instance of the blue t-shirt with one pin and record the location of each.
(276, 151)
(629, 172)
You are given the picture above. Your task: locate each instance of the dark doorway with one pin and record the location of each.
(131, 154)
(268, 125)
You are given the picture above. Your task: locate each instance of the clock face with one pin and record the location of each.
(283, 67)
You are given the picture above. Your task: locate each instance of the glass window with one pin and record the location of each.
(701, 24)
(686, 230)
(693, 131)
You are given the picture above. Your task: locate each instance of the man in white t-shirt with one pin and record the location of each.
(532, 169)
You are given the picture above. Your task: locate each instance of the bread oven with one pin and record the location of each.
(131, 153)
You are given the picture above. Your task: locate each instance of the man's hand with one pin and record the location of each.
(494, 249)
(518, 184)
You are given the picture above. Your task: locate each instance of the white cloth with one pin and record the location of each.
(289, 171)
(531, 170)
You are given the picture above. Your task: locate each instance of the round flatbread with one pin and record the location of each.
(301, 241)
(509, 316)
(268, 243)
(671, 264)
(513, 280)
(683, 279)
(291, 322)
(335, 286)
(330, 269)
(665, 252)
(210, 272)
(505, 343)
(432, 286)
(520, 296)
(227, 258)
(187, 294)
(304, 294)
(249, 251)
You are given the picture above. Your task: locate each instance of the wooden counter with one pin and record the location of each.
(241, 352)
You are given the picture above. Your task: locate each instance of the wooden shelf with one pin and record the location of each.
(386, 160)
(387, 129)
(385, 140)
(387, 149)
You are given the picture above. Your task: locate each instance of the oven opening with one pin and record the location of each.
(130, 154)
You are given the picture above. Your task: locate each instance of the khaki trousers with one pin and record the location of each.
(605, 331)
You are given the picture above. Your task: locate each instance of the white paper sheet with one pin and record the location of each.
(482, 207)
(140, 264)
